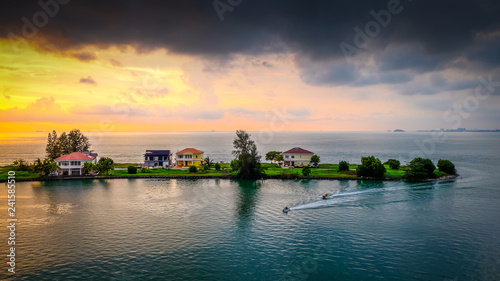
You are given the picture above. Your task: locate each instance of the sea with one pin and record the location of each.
(218, 229)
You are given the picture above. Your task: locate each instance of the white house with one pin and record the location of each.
(72, 164)
(297, 157)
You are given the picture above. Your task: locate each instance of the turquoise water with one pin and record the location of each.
(236, 230)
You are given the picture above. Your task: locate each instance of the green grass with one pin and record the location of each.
(323, 170)
(19, 174)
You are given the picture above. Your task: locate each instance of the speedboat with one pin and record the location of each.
(325, 196)
(286, 210)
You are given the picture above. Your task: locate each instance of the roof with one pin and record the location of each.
(75, 156)
(157, 152)
(298, 150)
(189, 150)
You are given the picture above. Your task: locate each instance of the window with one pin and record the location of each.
(156, 158)
(286, 156)
(293, 156)
(75, 163)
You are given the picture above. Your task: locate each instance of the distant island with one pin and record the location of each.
(459, 130)
(399, 131)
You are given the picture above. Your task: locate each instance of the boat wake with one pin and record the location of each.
(343, 197)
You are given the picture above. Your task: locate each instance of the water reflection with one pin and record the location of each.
(247, 199)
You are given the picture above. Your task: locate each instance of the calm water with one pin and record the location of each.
(235, 230)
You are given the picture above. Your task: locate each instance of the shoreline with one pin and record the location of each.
(69, 178)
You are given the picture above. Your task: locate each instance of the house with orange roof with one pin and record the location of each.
(72, 164)
(297, 157)
(189, 157)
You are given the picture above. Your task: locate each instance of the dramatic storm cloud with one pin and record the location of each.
(411, 48)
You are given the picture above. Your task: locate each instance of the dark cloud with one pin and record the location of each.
(84, 56)
(423, 36)
(88, 80)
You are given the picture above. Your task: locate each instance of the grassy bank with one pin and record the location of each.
(270, 170)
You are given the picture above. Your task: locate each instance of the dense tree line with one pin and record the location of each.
(74, 141)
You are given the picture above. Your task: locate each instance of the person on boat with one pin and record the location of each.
(325, 195)
(286, 209)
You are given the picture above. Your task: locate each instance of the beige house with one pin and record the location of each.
(297, 157)
(189, 157)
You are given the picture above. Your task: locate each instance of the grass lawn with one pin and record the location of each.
(19, 174)
(323, 170)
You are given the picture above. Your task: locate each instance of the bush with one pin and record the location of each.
(446, 166)
(235, 165)
(132, 169)
(144, 170)
(217, 166)
(306, 171)
(193, 169)
(206, 167)
(393, 164)
(420, 169)
(370, 167)
(343, 166)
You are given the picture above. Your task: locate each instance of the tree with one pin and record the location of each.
(446, 166)
(279, 159)
(370, 167)
(45, 167)
(21, 165)
(271, 155)
(393, 164)
(246, 153)
(217, 166)
(306, 171)
(208, 163)
(52, 149)
(77, 141)
(193, 169)
(420, 169)
(315, 160)
(104, 165)
(88, 167)
(343, 166)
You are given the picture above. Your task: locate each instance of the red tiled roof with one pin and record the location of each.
(189, 150)
(75, 156)
(298, 150)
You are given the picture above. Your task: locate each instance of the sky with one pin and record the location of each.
(249, 64)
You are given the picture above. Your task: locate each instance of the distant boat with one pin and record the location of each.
(212, 131)
(399, 131)
(39, 131)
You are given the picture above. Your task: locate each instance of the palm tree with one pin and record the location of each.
(208, 162)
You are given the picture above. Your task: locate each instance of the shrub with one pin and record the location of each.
(306, 171)
(144, 170)
(217, 166)
(370, 167)
(420, 169)
(235, 165)
(132, 169)
(193, 169)
(206, 167)
(343, 166)
(393, 164)
(446, 166)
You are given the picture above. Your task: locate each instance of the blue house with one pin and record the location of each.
(157, 158)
